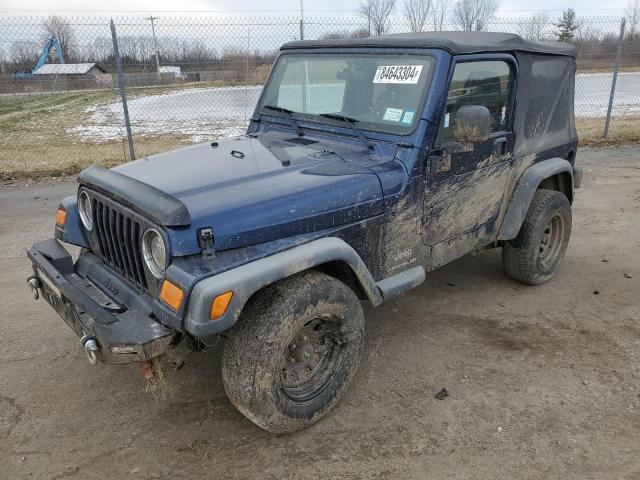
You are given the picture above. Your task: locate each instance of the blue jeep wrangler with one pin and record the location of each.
(367, 163)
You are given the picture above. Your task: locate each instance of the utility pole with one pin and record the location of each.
(301, 19)
(155, 42)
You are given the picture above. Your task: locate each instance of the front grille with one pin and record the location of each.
(119, 234)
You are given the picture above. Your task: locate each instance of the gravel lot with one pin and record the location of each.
(544, 381)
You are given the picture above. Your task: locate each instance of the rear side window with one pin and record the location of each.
(486, 83)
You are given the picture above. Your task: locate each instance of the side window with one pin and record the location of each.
(486, 83)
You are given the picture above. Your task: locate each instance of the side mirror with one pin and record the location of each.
(472, 124)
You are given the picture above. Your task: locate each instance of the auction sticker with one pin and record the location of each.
(392, 114)
(409, 74)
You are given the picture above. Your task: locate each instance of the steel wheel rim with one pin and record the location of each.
(309, 361)
(551, 241)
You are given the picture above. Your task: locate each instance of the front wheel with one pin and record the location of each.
(535, 254)
(294, 351)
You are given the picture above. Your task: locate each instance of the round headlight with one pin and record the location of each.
(85, 211)
(154, 253)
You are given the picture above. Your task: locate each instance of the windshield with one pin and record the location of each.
(379, 92)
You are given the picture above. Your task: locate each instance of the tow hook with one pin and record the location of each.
(34, 284)
(90, 349)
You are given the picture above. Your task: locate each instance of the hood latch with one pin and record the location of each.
(205, 241)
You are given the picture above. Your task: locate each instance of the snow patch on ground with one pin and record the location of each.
(200, 113)
(206, 113)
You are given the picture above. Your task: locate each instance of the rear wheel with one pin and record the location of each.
(294, 351)
(534, 255)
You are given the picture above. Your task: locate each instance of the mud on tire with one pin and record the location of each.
(294, 351)
(535, 254)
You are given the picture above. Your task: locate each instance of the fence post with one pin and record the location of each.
(123, 92)
(246, 74)
(301, 19)
(615, 77)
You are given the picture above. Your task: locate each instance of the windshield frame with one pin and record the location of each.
(358, 52)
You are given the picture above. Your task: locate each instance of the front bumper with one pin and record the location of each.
(122, 333)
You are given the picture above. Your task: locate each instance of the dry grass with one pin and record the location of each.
(34, 142)
(33, 138)
(621, 130)
(608, 69)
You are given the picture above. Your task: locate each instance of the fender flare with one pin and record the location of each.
(247, 279)
(72, 231)
(524, 191)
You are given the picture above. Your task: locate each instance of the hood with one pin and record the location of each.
(253, 190)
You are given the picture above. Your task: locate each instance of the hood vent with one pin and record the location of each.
(300, 141)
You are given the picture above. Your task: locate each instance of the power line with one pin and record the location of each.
(322, 10)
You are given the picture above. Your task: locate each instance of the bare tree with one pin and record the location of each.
(416, 13)
(377, 12)
(359, 33)
(62, 30)
(586, 34)
(337, 35)
(535, 26)
(23, 54)
(632, 13)
(475, 15)
(4, 59)
(102, 49)
(439, 13)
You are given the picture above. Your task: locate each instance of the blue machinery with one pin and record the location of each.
(52, 42)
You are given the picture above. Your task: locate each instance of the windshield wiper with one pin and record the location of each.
(352, 123)
(289, 113)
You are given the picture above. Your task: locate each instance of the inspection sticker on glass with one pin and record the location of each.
(407, 118)
(392, 114)
(398, 74)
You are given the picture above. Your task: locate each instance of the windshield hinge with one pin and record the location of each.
(205, 241)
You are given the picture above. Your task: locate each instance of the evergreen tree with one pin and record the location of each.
(567, 26)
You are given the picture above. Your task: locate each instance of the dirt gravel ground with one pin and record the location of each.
(544, 381)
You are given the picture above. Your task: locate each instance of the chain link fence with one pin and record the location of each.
(191, 79)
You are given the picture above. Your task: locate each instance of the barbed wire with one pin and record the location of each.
(212, 69)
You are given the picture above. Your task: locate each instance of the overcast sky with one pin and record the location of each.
(283, 7)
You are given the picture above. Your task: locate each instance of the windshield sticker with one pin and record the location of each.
(392, 114)
(408, 74)
(407, 118)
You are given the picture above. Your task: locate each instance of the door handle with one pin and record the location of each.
(500, 147)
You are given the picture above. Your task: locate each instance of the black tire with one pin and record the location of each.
(294, 351)
(527, 258)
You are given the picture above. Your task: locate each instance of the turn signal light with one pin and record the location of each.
(219, 305)
(61, 216)
(171, 295)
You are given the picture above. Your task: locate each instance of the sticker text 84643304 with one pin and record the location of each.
(398, 74)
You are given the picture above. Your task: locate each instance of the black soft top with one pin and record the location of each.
(453, 42)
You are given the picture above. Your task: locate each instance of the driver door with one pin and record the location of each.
(466, 182)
